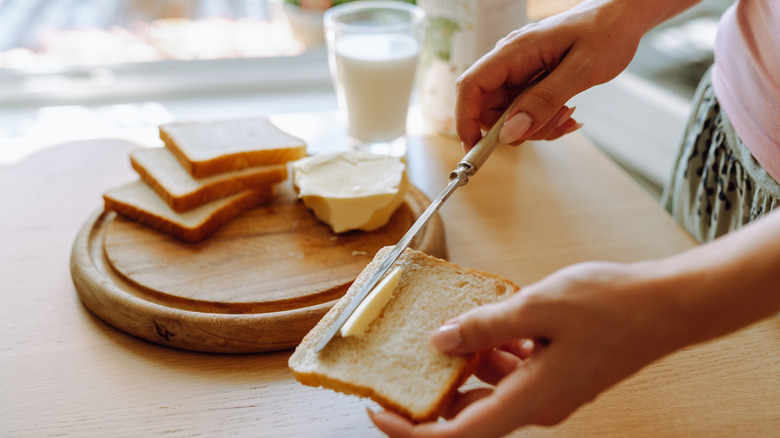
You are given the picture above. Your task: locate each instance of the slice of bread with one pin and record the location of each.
(160, 169)
(137, 201)
(391, 362)
(210, 148)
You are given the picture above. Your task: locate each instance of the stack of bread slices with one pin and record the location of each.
(206, 174)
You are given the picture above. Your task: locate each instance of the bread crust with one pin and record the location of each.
(243, 143)
(319, 380)
(132, 201)
(162, 172)
(336, 366)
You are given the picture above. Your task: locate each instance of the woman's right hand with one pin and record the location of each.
(585, 46)
(589, 326)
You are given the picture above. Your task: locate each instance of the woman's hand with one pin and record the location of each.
(586, 46)
(594, 324)
(549, 349)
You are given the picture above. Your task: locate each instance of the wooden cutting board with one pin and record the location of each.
(260, 283)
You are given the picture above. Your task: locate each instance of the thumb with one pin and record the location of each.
(479, 329)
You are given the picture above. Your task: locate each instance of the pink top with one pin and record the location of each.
(746, 77)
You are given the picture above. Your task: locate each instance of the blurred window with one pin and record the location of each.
(38, 34)
(83, 49)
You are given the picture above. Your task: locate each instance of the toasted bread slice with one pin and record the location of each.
(391, 362)
(210, 148)
(137, 201)
(160, 169)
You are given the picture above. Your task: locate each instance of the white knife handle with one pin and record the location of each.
(477, 156)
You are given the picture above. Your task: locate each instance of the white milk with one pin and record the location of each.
(375, 74)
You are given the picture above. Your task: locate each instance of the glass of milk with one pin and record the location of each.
(373, 50)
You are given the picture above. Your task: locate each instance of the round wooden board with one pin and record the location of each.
(259, 283)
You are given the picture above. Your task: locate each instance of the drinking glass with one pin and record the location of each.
(373, 51)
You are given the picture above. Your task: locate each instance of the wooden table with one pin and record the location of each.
(531, 210)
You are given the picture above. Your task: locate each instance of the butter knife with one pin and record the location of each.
(467, 167)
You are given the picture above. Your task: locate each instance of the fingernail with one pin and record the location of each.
(514, 128)
(566, 116)
(446, 338)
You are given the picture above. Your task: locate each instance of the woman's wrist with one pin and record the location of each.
(669, 315)
(717, 288)
(638, 16)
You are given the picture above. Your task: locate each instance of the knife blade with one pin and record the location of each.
(468, 166)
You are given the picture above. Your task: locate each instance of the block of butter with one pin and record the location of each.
(368, 309)
(351, 190)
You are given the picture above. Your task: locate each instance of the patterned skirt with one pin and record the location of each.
(716, 185)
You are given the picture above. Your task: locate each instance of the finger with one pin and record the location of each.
(561, 117)
(392, 424)
(468, 107)
(526, 349)
(539, 104)
(488, 75)
(464, 399)
(568, 127)
(502, 361)
(486, 327)
(509, 406)
(477, 88)
(494, 105)
(522, 348)
(496, 365)
(396, 426)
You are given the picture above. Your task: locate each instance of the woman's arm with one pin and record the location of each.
(724, 285)
(594, 324)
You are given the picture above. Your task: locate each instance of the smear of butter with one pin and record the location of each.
(372, 305)
(351, 190)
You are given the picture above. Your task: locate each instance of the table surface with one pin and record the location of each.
(530, 210)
